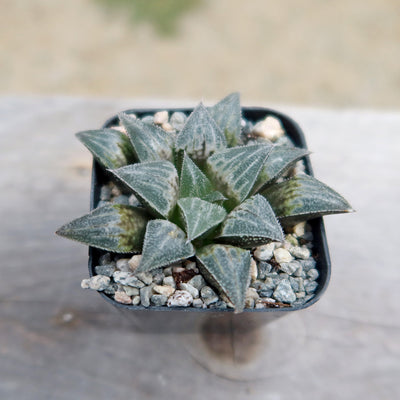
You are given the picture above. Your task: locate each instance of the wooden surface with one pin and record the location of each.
(58, 341)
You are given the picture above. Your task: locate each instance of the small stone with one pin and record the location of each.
(220, 304)
(105, 193)
(167, 127)
(160, 117)
(253, 269)
(282, 256)
(107, 269)
(252, 293)
(181, 298)
(284, 292)
(178, 120)
(177, 268)
(165, 290)
(283, 275)
(105, 259)
(198, 282)
(266, 292)
(191, 265)
(291, 240)
(288, 268)
(158, 300)
(169, 281)
(198, 303)
(296, 284)
(148, 119)
(299, 271)
(189, 288)
(111, 289)
(308, 264)
(127, 279)
(269, 282)
(300, 252)
(115, 190)
(145, 294)
(168, 271)
(145, 277)
(158, 279)
(122, 264)
(257, 284)
(299, 229)
(263, 269)
(264, 252)
(133, 201)
(134, 262)
(249, 302)
(122, 297)
(208, 295)
(136, 300)
(313, 274)
(300, 295)
(99, 282)
(131, 291)
(122, 199)
(85, 284)
(270, 128)
(311, 287)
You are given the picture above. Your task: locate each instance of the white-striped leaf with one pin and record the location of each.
(200, 137)
(109, 147)
(199, 216)
(278, 162)
(116, 228)
(251, 224)
(304, 197)
(150, 142)
(235, 170)
(228, 269)
(154, 183)
(164, 244)
(227, 114)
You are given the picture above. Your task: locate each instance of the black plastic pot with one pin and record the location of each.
(187, 318)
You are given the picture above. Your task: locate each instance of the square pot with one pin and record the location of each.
(165, 314)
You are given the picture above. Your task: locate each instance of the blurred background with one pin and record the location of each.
(311, 52)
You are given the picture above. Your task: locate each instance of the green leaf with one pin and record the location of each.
(251, 224)
(235, 170)
(304, 197)
(109, 147)
(164, 244)
(228, 268)
(154, 183)
(199, 216)
(116, 227)
(228, 114)
(200, 136)
(278, 162)
(150, 142)
(215, 197)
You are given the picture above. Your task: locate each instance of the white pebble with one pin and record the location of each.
(300, 252)
(99, 282)
(270, 128)
(165, 290)
(181, 298)
(189, 288)
(264, 252)
(161, 117)
(253, 269)
(134, 262)
(282, 256)
(122, 264)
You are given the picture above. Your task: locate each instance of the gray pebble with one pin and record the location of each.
(284, 292)
(289, 268)
(148, 119)
(123, 265)
(257, 285)
(127, 279)
(169, 281)
(308, 264)
(145, 277)
(105, 193)
(177, 120)
(263, 269)
(198, 303)
(130, 291)
(269, 283)
(297, 284)
(122, 199)
(198, 282)
(168, 271)
(311, 287)
(220, 304)
(111, 289)
(107, 269)
(191, 289)
(136, 300)
(158, 278)
(208, 295)
(265, 292)
(299, 271)
(300, 252)
(313, 274)
(145, 294)
(99, 282)
(105, 259)
(158, 300)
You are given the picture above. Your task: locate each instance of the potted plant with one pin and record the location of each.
(205, 209)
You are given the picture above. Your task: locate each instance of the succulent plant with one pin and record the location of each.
(206, 192)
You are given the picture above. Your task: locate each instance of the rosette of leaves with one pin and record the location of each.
(205, 194)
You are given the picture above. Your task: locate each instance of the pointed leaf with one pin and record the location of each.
(279, 161)
(109, 147)
(164, 244)
(154, 183)
(228, 114)
(251, 224)
(215, 197)
(150, 142)
(304, 197)
(117, 228)
(228, 268)
(200, 135)
(235, 170)
(200, 216)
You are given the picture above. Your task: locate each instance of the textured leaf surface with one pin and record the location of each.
(227, 114)
(117, 228)
(150, 142)
(155, 183)
(235, 170)
(164, 244)
(252, 223)
(228, 268)
(199, 215)
(214, 197)
(304, 197)
(279, 161)
(200, 135)
(109, 147)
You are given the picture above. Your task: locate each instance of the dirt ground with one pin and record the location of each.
(310, 52)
